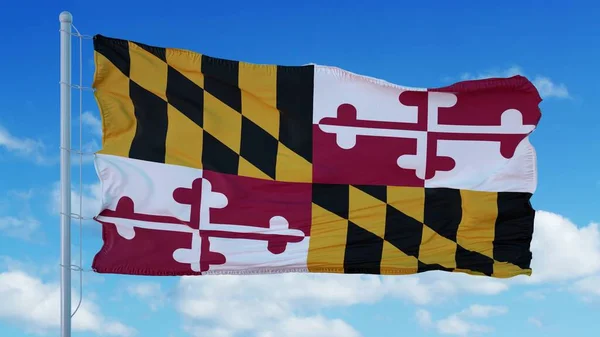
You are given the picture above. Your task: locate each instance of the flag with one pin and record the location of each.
(216, 166)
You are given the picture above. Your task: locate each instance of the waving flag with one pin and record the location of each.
(214, 166)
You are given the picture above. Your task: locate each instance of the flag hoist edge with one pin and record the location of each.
(214, 166)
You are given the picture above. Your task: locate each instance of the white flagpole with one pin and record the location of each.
(66, 19)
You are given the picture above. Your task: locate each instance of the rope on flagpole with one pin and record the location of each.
(79, 35)
(80, 153)
(80, 220)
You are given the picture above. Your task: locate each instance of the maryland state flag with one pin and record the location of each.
(214, 166)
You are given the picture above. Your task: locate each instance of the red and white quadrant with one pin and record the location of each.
(175, 220)
(472, 135)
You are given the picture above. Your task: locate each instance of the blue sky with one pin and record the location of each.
(414, 43)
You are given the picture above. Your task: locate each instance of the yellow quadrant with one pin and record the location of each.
(184, 140)
(327, 247)
(436, 249)
(116, 111)
(394, 261)
(292, 167)
(259, 95)
(188, 64)
(222, 122)
(246, 169)
(505, 269)
(148, 71)
(477, 228)
(408, 200)
(367, 212)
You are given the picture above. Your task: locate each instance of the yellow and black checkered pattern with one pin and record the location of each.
(406, 230)
(179, 107)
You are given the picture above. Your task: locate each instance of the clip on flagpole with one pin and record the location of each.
(66, 19)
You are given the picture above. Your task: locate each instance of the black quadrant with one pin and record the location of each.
(221, 79)
(159, 52)
(470, 260)
(295, 104)
(258, 147)
(443, 211)
(363, 251)
(149, 142)
(185, 96)
(423, 267)
(376, 191)
(332, 197)
(514, 229)
(116, 51)
(403, 232)
(217, 157)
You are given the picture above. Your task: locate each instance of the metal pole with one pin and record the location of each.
(66, 19)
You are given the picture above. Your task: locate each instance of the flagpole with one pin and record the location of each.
(66, 19)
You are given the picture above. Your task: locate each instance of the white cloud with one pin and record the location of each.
(22, 228)
(91, 199)
(16, 219)
(509, 72)
(546, 87)
(589, 286)
(32, 303)
(93, 125)
(424, 318)
(561, 250)
(201, 331)
(91, 128)
(37, 266)
(459, 324)
(23, 147)
(563, 254)
(315, 326)
(92, 122)
(535, 321)
(8, 263)
(443, 285)
(484, 311)
(144, 290)
(35, 150)
(535, 294)
(22, 194)
(455, 325)
(280, 297)
(149, 292)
